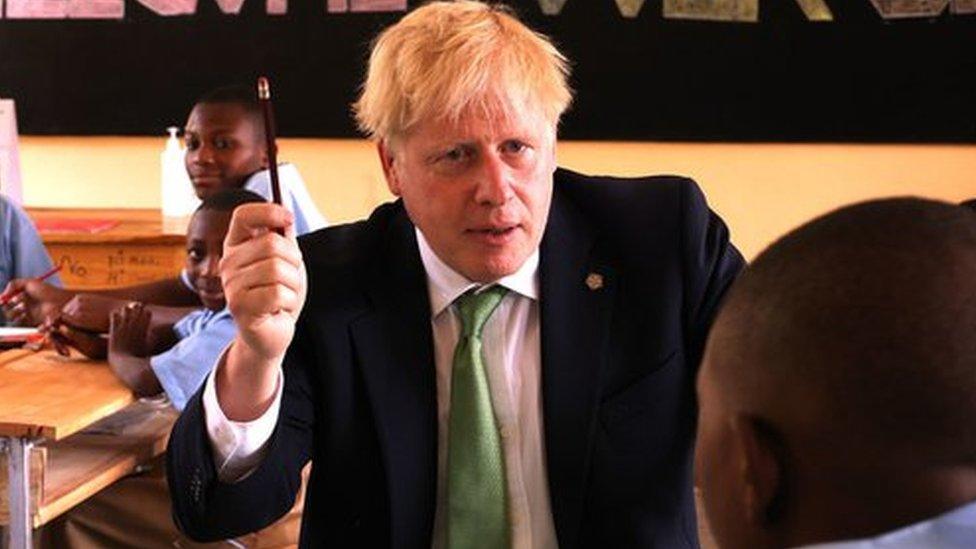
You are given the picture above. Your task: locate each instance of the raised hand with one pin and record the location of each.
(263, 278)
(129, 330)
(265, 284)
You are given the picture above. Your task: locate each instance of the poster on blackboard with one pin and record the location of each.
(664, 70)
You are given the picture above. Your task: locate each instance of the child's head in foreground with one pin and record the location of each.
(205, 243)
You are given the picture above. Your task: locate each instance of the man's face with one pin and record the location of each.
(715, 470)
(223, 147)
(479, 189)
(204, 248)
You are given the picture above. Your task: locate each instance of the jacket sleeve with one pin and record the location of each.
(205, 508)
(711, 264)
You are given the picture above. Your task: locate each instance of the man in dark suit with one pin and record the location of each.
(504, 357)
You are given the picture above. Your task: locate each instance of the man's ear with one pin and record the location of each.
(760, 458)
(387, 159)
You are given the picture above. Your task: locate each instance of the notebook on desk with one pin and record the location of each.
(83, 226)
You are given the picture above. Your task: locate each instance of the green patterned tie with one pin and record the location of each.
(476, 486)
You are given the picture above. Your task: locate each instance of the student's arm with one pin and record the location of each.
(89, 311)
(170, 292)
(129, 349)
(31, 301)
(36, 301)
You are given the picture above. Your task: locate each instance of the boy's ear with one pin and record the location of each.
(387, 159)
(760, 457)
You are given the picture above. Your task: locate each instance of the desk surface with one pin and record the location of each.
(46, 395)
(138, 246)
(137, 226)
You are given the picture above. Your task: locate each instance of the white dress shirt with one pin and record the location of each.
(511, 344)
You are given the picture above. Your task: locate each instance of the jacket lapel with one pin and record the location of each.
(393, 345)
(576, 304)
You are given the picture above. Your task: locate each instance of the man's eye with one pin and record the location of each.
(191, 143)
(456, 155)
(222, 143)
(513, 147)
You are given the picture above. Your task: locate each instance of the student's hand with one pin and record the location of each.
(90, 344)
(90, 312)
(129, 331)
(263, 278)
(128, 351)
(31, 301)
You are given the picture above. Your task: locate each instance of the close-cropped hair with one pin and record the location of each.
(445, 58)
(235, 94)
(229, 199)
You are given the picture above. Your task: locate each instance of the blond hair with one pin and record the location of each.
(447, 57)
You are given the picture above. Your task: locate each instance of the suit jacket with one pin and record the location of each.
(618, 371)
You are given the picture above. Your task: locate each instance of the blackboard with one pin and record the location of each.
(855, 79)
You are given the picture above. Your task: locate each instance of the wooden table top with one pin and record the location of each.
(46, 395)
(135, 225)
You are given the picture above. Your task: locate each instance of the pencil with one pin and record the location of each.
(4, 299)
(264, 99)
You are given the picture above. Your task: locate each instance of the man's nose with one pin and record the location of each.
(494, 182)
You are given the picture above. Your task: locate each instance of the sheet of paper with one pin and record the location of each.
(230, 6)
(551, 7)
(96, 9)
(11, 333)
(171, 7)
(276, 7)
(816, 10)
(713, 10)
(898, 9)
(337, 6)
(377, 5)
(963, 6)
(630, 8)
(37, 9)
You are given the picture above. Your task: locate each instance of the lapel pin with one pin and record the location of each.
(594, 281)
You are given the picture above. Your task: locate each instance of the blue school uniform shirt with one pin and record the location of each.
(22, 254)
(204, 334)
(294, 196)
(955, 529)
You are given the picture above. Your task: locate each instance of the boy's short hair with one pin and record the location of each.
(239, 95)
(446, 57)
(229, 199)
(971, 204)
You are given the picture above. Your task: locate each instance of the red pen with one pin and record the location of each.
(4, 299)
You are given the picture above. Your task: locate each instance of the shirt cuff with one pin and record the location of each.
(238, 446)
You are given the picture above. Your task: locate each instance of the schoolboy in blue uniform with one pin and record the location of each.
(175, 358)
(22, 254)
(225, 150)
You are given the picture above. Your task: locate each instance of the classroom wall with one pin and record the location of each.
(761, 190)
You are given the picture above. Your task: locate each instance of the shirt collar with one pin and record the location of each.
(444, 284)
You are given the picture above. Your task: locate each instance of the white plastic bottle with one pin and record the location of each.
(178, 199)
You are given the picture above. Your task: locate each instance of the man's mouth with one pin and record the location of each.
(494, 235)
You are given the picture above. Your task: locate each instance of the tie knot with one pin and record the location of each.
(475, 308)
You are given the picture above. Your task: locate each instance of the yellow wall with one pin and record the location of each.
(762, 190)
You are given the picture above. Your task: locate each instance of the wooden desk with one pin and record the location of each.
(140, 248)
(47, 397)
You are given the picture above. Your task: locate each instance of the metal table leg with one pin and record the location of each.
(20, 528)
